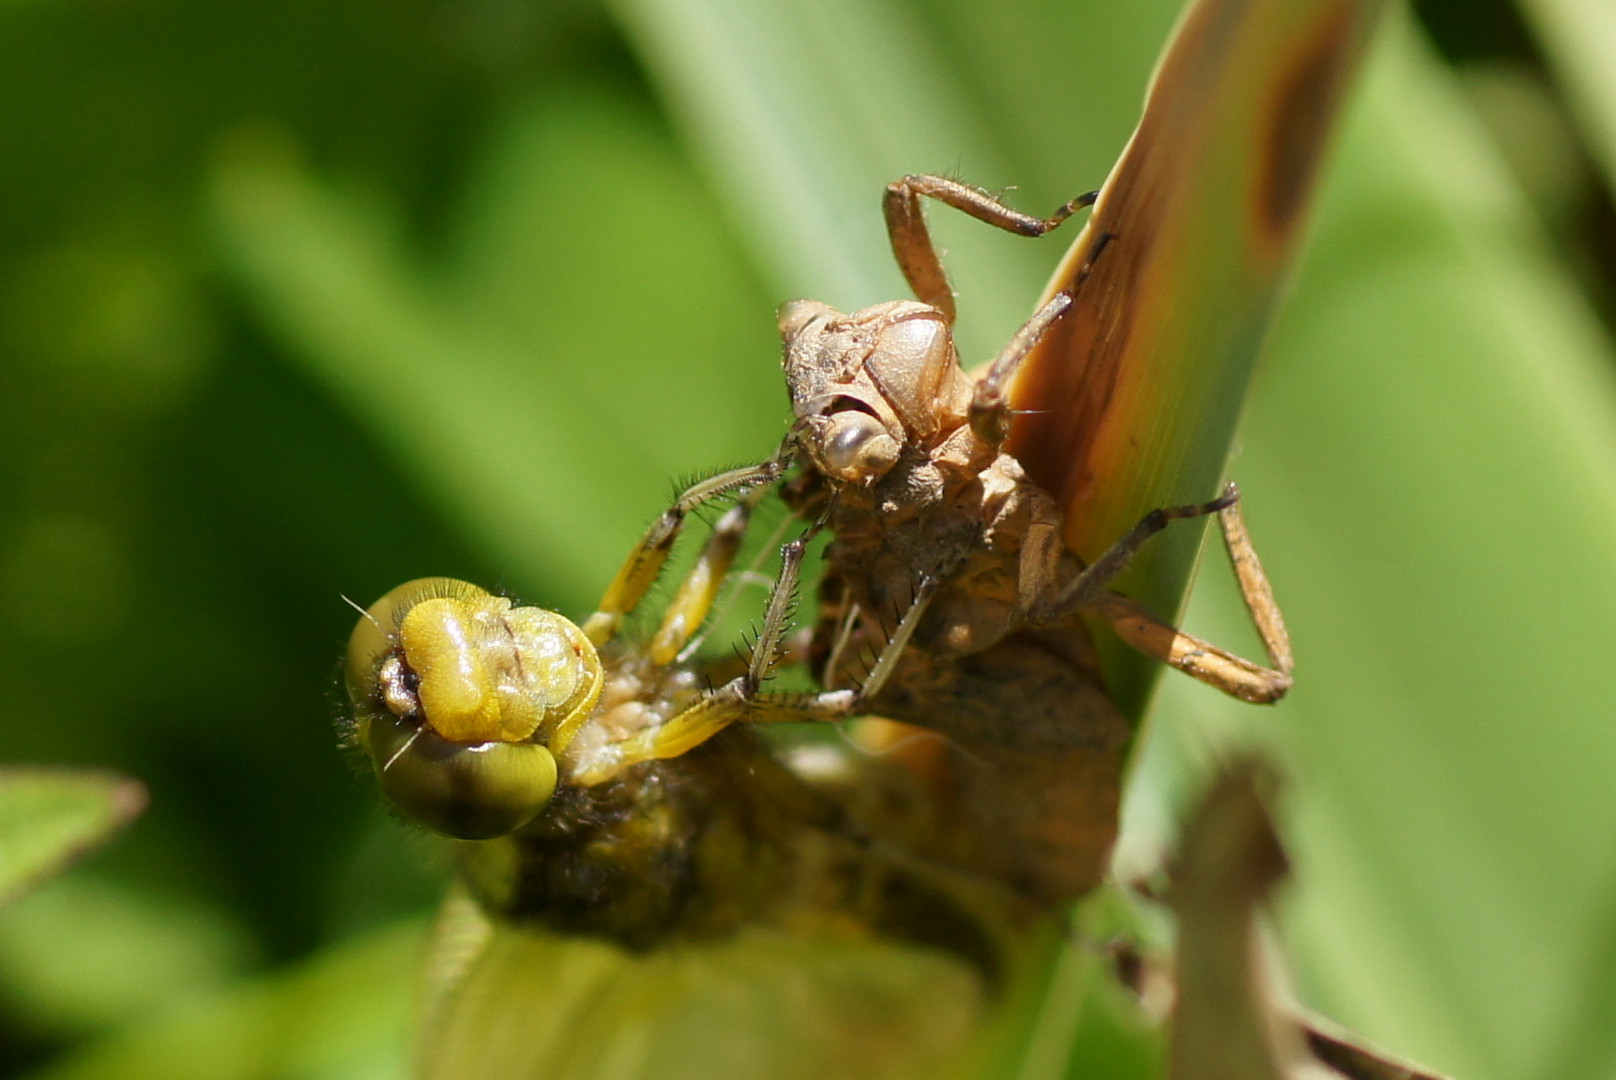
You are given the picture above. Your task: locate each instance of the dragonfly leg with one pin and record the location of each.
(1152, 636)
(1234, 675)
(911, 241)
(1083, 590)
(647, 558)
(990, 403)
(743, 700)
(693, 601)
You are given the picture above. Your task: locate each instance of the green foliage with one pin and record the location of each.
(49, 818)
(1433, 445)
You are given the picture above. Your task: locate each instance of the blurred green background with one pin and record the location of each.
(298, 301)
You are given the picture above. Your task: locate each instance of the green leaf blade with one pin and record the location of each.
(1428, 464)
(49, 818)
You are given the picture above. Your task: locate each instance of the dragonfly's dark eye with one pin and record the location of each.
(470, 792)
(855, 447)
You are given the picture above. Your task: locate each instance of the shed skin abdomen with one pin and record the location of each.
(1033, 753)
(1030, 767)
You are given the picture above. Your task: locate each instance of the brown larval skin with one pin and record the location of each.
(1029, 769)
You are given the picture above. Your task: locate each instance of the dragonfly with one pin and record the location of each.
(611, 785)
(482, 717)
(604, 783)
(642, 811)
(607, 787)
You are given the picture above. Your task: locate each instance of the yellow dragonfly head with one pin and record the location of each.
(463, 701)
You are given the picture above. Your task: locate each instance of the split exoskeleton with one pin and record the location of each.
(930, 518)
(910, 451)
(945, 568)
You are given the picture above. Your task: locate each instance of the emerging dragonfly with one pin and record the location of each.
(485, 720)
(610, 786)
(602, 783)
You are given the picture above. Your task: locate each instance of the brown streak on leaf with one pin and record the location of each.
(1069, 402)
(1299, 115)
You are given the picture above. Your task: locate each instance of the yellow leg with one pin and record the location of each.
(694, 600)
(732, 704)
(742, 699)
(645, 562)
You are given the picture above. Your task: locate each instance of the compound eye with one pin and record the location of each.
(375, 636)
(469, 792)
(855, 447)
